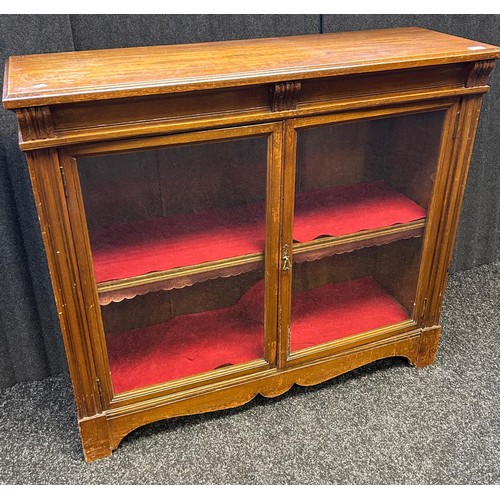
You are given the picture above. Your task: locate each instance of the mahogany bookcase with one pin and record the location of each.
(228, 219)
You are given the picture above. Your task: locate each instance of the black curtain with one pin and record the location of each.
(30, 340)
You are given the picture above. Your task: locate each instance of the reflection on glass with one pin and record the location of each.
(165, 335)
(372, 180)
(171, 231)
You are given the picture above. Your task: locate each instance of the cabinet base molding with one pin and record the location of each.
(429, 340)
(104, 432)
(95, 437)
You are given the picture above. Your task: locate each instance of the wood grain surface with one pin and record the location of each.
(36, 80)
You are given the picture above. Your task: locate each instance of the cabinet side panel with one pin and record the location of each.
(53, 215)
(466, 127)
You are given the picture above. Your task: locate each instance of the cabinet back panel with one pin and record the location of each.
(122, 188)
(220, 174)
(403, 151)
(397, 269)
(394, 266)
(413, 153)
(332, 156)
(335, 269)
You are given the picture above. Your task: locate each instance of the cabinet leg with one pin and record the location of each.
(95, 437)
(428, 346)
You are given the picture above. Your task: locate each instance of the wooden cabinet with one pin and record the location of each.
(228, 219)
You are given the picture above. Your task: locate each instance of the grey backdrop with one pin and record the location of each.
(30, 340)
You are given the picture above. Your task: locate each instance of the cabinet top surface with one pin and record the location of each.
(42, 79)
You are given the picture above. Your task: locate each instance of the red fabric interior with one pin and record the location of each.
(127, 250)
(331, 312)
(200, 342)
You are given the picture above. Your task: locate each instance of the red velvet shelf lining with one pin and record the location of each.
(127, 250)
(331, 312)
(197, 343)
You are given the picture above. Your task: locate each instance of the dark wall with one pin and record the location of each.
(30, 340)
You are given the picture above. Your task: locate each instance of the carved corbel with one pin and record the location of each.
(478, 72)
(284, 96)
(35, 123)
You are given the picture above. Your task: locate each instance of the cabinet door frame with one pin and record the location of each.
(436, 222)
(90, 338)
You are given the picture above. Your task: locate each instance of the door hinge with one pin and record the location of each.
(99, 388)
(288, 341)
(63, 177)
(424, 308)
(455, 127)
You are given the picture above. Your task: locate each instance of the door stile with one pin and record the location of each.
(458, 159)
(436, 223)
(90, 297)
(274, 195)
(286, 250)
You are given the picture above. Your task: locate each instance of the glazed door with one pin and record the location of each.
(358, 191)
(177, 238)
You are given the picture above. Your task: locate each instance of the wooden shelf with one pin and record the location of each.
(126, 263)
(327, 246)
(128, 288)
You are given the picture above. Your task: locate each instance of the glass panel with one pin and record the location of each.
(169, 334)
(177, 237)
(362, 194)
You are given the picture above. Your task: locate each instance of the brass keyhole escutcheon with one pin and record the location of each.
(286, 259)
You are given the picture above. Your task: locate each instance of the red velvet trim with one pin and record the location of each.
(196, 343)
(127, 250)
